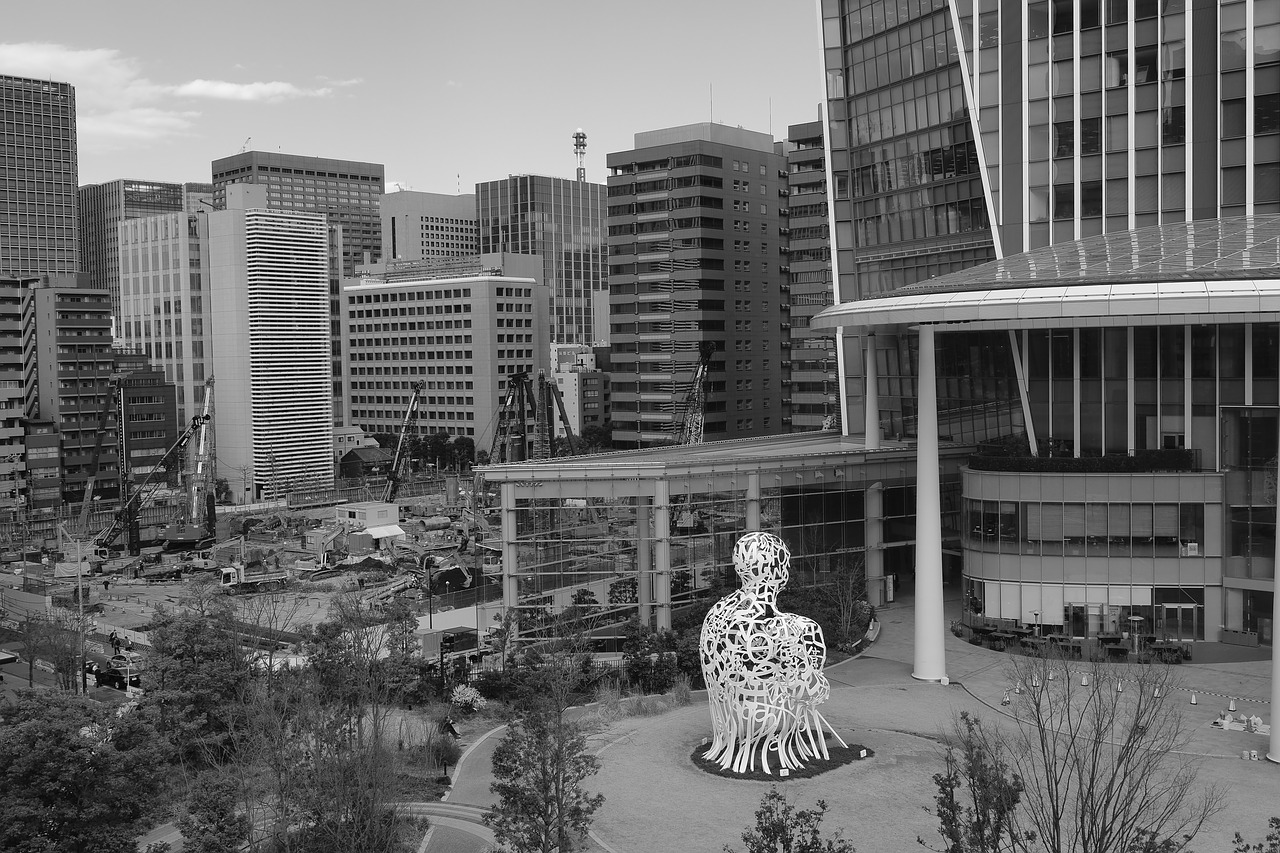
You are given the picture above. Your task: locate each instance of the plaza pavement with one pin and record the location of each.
(656, 800)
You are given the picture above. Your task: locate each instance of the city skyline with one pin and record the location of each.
(152, 104)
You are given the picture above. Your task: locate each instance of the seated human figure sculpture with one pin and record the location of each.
(763, 668)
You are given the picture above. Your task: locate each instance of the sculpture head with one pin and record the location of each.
(762, 558)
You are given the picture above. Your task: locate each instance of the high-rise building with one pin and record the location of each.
(13, 478)
(102, 208)
(420, 226)
(563, 221)
(151, 423)
(1122, 163)
(813, 388)
(695, 258)
(39, 230)
(462, 329)
(164, 299)
(68, 363)
(346, 192)
(269, 313)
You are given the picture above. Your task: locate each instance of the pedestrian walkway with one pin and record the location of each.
(657, 800)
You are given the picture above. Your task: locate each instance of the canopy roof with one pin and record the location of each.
(1202, 267)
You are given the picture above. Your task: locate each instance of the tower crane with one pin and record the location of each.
(199, 519)
(393, 476)
(693, 410)
(109, 404)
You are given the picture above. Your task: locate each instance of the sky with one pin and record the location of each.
(444, 93)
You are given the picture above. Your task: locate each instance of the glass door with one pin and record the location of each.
(1182, 622)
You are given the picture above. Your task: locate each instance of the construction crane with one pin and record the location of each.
(693, 410)
(393, 476)
(109, 404)
(127, 515)
(198, 521)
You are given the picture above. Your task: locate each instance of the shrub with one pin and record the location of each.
(466, 698)
(608, 701)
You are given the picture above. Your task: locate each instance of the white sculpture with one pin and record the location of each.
(763, 668)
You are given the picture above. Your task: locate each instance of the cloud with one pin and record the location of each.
(118, 105)
(453, 84)
(226, 91)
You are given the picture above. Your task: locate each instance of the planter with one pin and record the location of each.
(1238, 638)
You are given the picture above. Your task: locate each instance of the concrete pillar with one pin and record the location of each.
(873, 557)
(644, 559)
(510, 553)
(930, 651)
(753, 501)
(872, 407)
(662, 555)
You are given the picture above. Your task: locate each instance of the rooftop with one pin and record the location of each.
(1161, 274)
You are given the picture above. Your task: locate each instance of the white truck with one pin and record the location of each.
(255, 577)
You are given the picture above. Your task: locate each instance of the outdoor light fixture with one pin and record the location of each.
(1119, 686)
(1084, 680)
(1194, 700)
(1051, 675)
(1232, 706)
(1157, 692)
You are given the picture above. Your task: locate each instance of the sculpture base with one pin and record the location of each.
(840, 756)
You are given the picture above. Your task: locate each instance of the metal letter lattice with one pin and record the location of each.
(763, 668)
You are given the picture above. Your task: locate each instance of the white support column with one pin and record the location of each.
(872, 394)
(753, 502)
(644, 559)
(510, 553)
(930, 650)
(662, 554)
(873, 509)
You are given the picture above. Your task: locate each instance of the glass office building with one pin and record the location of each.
(562, 220)
(1138, 377)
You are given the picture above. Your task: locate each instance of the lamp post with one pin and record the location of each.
(1036, 613)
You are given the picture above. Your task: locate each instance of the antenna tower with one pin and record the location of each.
(580, 151)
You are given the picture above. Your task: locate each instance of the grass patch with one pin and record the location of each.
(840, 756)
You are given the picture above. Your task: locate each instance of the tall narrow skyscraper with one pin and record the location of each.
(563, 221)
(39, 231)
(695, 260)
(271, 347)
(346, 192)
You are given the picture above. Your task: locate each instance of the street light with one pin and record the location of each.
(1036, 613)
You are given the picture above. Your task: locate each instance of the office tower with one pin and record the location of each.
(102, 208)
(813, 398)
(269, 313)
(68, 363)
(1122, 161)
(347, 192)
(462, 329)
(13, 478)
(164, 299)
(419, 226)
(695, 258)
(151, 423)
(39, 231)
(197, 197)
(563, 221)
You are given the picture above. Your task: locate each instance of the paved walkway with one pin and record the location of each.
(657, 800)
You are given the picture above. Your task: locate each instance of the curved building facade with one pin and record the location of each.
(1127, 474)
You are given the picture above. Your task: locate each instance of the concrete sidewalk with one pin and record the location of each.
(657, 800)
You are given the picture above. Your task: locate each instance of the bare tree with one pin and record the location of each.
(848, 594)
(1098, 749)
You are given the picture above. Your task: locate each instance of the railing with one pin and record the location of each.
(1149, 461)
